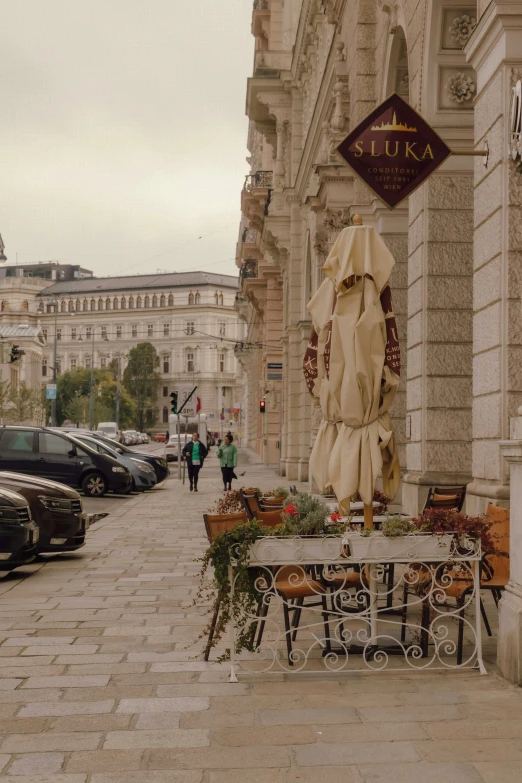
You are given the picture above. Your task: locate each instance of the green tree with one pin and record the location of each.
(4, 399)
(77, 411)
(74, 384)
(141, 379)
(23, 402)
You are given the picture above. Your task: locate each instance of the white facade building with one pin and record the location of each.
(189, 317)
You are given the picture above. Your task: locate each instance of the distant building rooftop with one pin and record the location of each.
(46, 270)
(19, 330)
(139, 282)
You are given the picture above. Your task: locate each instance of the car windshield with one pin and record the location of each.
(106, 428)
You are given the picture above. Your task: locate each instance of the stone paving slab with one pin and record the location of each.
(101, 682)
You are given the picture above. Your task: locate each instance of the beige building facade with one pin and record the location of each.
(320, 67)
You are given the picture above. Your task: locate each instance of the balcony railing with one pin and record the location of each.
(249, 269)
(261, 179)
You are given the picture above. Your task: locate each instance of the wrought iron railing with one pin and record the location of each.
(249, 269)
(260, 179)
(249, 236)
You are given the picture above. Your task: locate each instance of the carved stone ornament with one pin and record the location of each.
(515, 129)
(461, 28)
(460, 88)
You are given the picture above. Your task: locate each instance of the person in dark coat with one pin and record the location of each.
(194, 452)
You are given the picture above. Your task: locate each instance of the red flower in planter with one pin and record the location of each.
(291, 510)
(336, 517)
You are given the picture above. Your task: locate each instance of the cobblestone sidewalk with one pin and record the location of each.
(97, 684)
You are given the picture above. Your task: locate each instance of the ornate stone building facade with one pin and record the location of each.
(320, 67)
(189, 317)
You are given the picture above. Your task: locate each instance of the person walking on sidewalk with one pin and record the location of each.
(227, 455)
(194, 452)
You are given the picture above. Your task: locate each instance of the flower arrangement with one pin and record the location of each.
(439, 520)
(378, 497)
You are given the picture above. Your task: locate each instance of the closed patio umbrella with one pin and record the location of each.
(364, 368)
(316, 369)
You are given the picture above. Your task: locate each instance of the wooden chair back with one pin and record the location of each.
(250, 504)
(269, 502)
(221, 523)
(449, 498)
(499, 563)
(269, 518)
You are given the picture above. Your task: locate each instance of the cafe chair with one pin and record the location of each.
(449, 498)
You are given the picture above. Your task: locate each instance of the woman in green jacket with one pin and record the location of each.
(227, 455)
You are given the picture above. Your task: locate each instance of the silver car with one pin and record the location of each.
(142, 474)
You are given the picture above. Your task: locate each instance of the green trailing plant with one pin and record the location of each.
(439, 521)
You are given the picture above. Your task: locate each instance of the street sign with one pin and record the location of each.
(234, 410)
(394, 150)
(187, 400)
(274, 366)
(50, 391)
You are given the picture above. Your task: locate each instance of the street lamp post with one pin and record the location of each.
(40, 309)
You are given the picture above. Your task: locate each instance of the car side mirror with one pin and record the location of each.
(72, 452)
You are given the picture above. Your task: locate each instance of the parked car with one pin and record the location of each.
(160, 438)
(128, 437)
(18, 532)
(55, 455)
(171, 449)
(55, 508)
(110, 429)
(143, 475)
(158, 463)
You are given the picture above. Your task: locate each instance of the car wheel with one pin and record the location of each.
(133, 485)
(94, 485)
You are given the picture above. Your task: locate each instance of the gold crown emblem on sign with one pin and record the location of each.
(393, 126)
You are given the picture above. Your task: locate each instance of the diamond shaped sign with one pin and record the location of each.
(394, 150)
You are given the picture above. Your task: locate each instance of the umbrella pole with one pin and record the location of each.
(372, 581)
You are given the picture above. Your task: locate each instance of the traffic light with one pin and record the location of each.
(15, 354)
(174, 402)
(262, 406)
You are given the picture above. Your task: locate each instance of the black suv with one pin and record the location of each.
(18, 533)
(52, 455)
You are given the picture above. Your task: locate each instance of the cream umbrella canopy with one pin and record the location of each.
(364, 366)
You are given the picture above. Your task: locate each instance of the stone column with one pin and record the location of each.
(509, 650)
(439, 334)
(495, 51)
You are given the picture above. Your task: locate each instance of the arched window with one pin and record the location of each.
(162, 300)
(115, 303)
(123, 303)
(197, 297)
(190, 361)
(85, 306)
(100, 304)
(165, 415)
(4, 306)
(138, 302)
(93, 304)
(171, 300)
(131, 303)
(222, 361)
(166, 364)
(63, 306)
(191, 298)
(78, 305)
(216, 297)
(221, 299)
(146, 302)
(70, 305)
(107, 304)
(25, 306)
(154, 301)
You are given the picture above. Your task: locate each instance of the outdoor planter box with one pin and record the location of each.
(417, 546)
(295, 549)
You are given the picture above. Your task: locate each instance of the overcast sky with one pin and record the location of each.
(123, 132)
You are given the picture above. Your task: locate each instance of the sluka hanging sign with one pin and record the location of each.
(394, 150)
